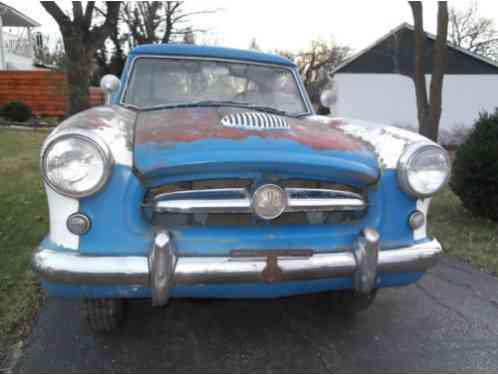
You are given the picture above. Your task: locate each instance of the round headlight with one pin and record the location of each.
(76, 165)
(423, 169)
(269, 201)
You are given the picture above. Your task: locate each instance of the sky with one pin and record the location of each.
(290, 25)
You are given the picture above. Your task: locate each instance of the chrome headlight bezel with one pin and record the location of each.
(100, 146)
(410, 153)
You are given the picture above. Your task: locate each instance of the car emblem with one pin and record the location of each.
(269, 201)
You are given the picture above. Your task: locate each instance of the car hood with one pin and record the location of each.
(209, 142)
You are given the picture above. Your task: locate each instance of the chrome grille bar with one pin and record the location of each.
(204, 201)
(238, 200)
(305, 200)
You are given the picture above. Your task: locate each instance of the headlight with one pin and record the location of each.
(423, 169)
(76, 164)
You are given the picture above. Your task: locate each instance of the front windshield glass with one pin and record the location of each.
(159, 82)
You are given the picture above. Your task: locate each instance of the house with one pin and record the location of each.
(376, 84)
(16, 39)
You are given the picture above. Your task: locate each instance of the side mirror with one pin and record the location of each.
(328, 98)
(109, 84)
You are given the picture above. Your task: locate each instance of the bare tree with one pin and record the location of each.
(81, 40)
(159, 21)
(429, 109)
(469, 30)
(315, 65)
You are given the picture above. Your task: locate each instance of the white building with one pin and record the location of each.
(16, 39)
(376, 84)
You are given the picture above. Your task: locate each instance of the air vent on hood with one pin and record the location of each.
(254, 121)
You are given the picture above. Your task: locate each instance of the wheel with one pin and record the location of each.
(103, 314)
(351, 302)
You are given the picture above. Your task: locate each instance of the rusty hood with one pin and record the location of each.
(208, 142)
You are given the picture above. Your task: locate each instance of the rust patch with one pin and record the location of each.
(272, 273)
(167, 127)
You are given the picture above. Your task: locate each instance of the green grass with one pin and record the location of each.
(23, 223)
(464, 236)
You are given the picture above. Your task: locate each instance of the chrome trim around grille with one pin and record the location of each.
(238, 200)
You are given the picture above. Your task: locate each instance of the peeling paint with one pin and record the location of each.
(172, 126)
(113, 124)
(387, 142)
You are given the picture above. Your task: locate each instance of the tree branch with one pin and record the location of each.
(60, 17)
(87, 18)
(99, 33)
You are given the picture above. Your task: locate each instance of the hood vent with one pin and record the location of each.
(254, 121)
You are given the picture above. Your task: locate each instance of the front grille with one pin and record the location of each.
(227, 203)
(245, 184)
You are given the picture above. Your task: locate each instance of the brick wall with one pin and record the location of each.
(44, 91)
(96, 96)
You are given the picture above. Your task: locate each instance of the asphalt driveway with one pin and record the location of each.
(448, 321)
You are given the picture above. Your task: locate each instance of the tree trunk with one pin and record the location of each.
(439, 66)
(419, 70)
(429, 109)
(78, 71)
(80, 43)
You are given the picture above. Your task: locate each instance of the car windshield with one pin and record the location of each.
(161, 82)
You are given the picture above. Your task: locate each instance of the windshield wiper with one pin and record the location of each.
(264, 108)
(222, 103)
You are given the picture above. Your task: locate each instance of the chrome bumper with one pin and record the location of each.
(162, 269)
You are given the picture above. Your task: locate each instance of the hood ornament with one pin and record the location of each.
(254, 121)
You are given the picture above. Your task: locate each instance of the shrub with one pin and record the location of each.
(475, 169)
(17, 111)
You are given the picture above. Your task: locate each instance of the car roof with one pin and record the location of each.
(209, 52)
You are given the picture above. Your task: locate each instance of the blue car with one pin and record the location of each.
(208, 174)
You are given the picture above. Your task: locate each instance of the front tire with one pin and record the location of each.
(103, 315)
(352, 302)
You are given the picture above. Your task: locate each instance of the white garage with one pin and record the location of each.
(376, 85)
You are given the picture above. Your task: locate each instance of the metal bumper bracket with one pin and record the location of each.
(366, 254)
(162, 264)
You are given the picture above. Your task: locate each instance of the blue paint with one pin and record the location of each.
(119, 225)
(396, 206)
(252, 157)
(118, 222)
(132, 235)
(225, 290)
(393, 227)
(399, 279)
(209, 52)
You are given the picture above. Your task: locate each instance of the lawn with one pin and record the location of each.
(24, 221)
(464, 236)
